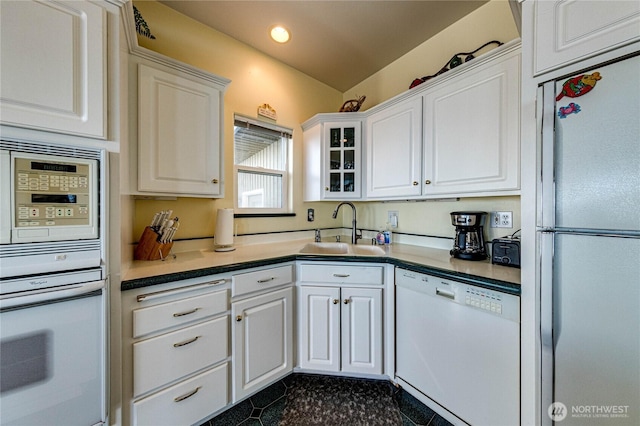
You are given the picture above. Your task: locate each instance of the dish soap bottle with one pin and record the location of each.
(387, 234)
(380, 239)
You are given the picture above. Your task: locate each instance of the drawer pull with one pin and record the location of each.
(187, 395)
(341, 275)
(186, 342)
(181, 314)
(266, 280)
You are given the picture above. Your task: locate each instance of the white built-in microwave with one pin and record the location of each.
(49, 207)
(52, 198)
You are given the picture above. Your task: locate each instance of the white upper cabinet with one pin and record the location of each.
(457, 135)
(177, 139)
(332, 157)
(472, 131)
(567, 31)
(394, 150)
(53, 66)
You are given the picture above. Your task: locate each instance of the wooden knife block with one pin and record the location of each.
(149, 248)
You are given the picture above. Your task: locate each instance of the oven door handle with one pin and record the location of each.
(50, 294)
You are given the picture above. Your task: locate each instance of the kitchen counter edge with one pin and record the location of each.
(413, 265)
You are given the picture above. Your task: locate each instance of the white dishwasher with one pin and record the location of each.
(458, 345)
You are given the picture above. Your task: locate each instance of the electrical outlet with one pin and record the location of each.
(501, 220)
(392, 218)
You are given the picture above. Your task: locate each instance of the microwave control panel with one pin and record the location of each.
(51, 194)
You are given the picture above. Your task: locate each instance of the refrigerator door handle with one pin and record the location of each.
(548, 334)
(546, 183)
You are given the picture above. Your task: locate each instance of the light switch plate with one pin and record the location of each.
(392, 218)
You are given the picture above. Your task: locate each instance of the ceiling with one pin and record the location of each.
(339, 43)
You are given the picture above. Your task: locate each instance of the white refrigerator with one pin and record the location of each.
(589, 246)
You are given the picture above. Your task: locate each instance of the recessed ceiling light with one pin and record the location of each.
(280, 34)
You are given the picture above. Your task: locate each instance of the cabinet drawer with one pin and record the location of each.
(178, 312)
(260, 280)
(186, 402)
(168, 357)
(339, 274)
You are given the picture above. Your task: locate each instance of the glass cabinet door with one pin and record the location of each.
(343, 147)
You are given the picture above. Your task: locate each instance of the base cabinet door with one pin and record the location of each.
(262, 340)
(319, 322)
(340, 329)
(361, 318)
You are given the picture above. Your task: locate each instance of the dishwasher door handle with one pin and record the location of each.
(445, 293)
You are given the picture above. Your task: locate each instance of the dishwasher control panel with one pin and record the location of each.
(483, 299)
(490, 301)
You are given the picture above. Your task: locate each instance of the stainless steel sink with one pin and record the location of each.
(325, 248)
(367, 250)
(342, 248)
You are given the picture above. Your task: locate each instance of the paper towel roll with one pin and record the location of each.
(224, 230)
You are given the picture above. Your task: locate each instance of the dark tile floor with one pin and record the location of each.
(265, 409)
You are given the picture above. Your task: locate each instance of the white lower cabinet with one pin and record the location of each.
(340, 318)
(341, 329)
(186, 402)
(262, 336)
(180, 354)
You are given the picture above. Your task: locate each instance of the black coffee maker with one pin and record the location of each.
(469, 242)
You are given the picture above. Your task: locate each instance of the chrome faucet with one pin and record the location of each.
(354, 232)
(318, 237)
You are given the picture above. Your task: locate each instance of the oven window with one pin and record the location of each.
(25, 360)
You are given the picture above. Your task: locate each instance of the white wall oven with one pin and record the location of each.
(53, 279)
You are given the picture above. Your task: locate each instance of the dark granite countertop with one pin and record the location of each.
(427, 260)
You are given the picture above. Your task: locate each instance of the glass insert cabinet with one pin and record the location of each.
(342, 178)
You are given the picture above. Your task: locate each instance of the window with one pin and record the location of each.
(261, 158)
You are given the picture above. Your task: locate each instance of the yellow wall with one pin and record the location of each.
(492, 21)
(257, 79)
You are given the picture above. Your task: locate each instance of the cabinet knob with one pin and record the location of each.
(326, 188)
(239, 318)
(214, 180)
(336, 301)
(427, 182)
(415, 183)
(346, 301)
